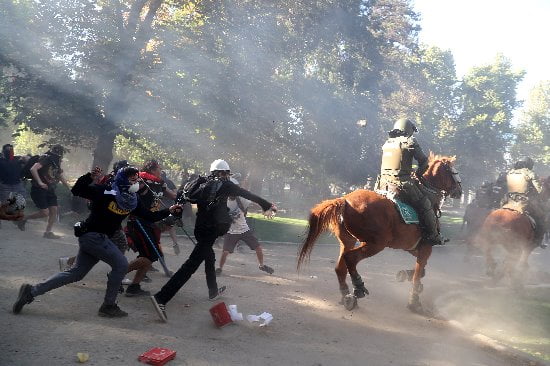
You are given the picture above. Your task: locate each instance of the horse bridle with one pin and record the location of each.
(456, 179)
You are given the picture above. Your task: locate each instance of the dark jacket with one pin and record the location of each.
(105, 215)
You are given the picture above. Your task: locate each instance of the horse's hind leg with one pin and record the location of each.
(353, 257)
(341, 273)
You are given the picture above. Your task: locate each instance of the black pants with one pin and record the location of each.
(202, 252)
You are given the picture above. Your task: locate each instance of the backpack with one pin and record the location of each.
(26, 169)
(204, 190)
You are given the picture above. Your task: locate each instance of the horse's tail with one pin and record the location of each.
(322, 217)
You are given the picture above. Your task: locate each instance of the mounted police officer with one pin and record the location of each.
(524, 189)
(398, 153)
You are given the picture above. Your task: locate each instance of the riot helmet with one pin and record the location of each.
(405, 126)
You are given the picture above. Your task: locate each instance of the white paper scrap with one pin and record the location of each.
(264, 318)
(235, 315)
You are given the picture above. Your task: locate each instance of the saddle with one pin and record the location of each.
(407, 212)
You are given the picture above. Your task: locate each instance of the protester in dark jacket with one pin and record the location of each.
(206, 232)
(109, 206)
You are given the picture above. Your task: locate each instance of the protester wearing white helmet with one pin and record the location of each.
(240, 230)
(217, 189)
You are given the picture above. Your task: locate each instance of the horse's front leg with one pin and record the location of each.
(414, 304)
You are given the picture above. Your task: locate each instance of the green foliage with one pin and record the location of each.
(533, 131)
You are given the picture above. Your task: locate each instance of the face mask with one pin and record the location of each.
(134, 188)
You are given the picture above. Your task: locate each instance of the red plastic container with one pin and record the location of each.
(157, 356)
(220, 315)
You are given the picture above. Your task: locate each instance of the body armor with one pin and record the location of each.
(397, 156)
(517, 182)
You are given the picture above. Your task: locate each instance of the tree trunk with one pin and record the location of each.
(103, 153)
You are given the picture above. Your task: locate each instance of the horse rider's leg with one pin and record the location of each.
(426, 214)
(536, 211)
(414, 304)
(353, 257)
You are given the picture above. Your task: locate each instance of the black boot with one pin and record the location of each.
(135, 290)
(24, 297)
(111, 311)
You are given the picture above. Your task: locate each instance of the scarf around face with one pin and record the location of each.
(124, 199)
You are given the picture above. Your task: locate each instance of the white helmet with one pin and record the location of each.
(219, 164)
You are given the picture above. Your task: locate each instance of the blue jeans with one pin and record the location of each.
(93, 247)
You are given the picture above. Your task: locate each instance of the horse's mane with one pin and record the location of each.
(434, 158)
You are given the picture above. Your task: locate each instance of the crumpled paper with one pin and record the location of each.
(264, 318)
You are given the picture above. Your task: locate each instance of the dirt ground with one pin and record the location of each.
(309, 326)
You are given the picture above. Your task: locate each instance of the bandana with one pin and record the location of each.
(124, 199)
(149, 176)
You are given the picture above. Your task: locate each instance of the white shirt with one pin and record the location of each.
(239, 224)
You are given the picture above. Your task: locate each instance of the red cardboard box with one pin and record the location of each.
(157, 356)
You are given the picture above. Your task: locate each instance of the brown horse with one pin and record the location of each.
(514, 232)
(374, 221)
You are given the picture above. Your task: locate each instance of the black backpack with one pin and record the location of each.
(204, 190)
(26, 169)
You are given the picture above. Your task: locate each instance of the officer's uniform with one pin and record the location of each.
(397, 157)
(523, 196)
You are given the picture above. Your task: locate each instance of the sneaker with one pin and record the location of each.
(147, 279)
(135, 290)
(216, 293)
(218, 271)
(64, 264)
(126, 281)
(51, 235)
(21, 224)
(111, 311)
(159, 308)
(24, 297)
(266, 268)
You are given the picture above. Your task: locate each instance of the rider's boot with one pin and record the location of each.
(428, 220)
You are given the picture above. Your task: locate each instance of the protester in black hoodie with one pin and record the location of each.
(109, 206)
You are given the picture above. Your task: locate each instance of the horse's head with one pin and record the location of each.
(442, 175)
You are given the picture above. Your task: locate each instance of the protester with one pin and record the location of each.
(10, 178)
(207, 229)
(168, 225)
(110, 205)
(46, 174)
(239, 230)
(119, 237)
(144, 234)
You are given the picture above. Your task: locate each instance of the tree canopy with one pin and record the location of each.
(276, 88)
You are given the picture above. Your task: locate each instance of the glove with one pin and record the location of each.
(270, 213)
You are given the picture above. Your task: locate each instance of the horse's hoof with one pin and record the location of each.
(415, 307)
(360, 292)
(401, 276)
(350, 302)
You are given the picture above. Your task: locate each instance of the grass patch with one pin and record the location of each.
(283, 229)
